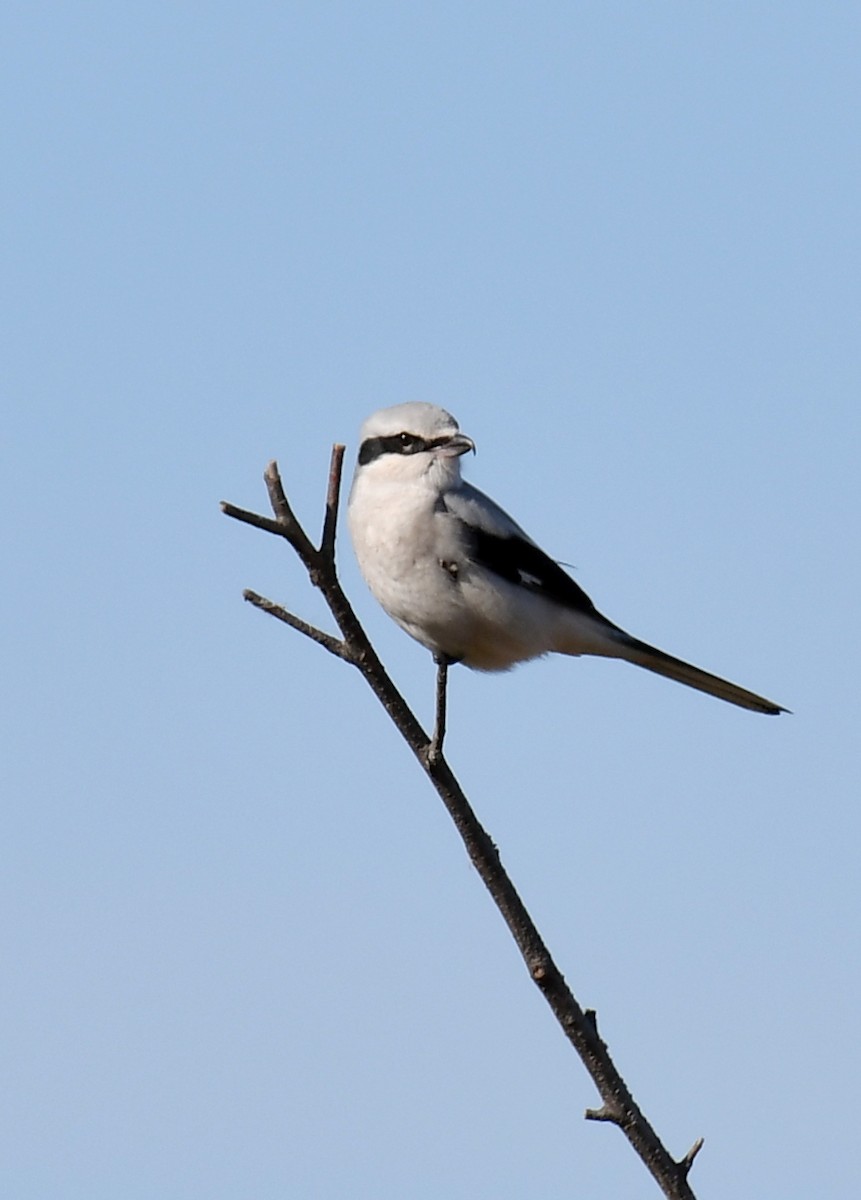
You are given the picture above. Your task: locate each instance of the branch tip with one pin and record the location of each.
(602, 1114)
(333, 495)
(687, 1162)
(277, 496)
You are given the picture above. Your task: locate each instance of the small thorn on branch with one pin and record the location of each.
(604, 1113)
(592, 1017)
(687, 1162)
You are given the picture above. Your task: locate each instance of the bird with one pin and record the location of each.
(462, 578)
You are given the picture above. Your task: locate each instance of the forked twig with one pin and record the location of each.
(579, 1026)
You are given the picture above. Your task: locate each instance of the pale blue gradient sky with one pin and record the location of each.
(244, 954)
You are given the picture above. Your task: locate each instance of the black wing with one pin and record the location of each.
(522, 562)
(498, 544)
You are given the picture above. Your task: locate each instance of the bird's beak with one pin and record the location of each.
(456, 445)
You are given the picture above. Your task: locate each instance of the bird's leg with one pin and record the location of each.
(434, 750)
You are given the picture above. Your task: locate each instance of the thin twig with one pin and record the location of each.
(330, 521)
(278, 497)
(291, 529)
(255, 519)
(581, 1028)
(332, 644)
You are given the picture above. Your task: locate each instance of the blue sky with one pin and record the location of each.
(244, 953)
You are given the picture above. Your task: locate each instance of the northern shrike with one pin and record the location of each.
(461, 577)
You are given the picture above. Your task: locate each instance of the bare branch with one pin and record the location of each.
(277, 497)
(255, 519)
(330, 523)
(289, 525)
(579, 1027)
(333, 645)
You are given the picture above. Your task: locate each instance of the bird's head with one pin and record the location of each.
(413, 440)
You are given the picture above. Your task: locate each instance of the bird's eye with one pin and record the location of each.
(409, 443)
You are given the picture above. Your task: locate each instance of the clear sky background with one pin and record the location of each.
(244, 954)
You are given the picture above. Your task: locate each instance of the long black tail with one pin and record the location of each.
(644, 655)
